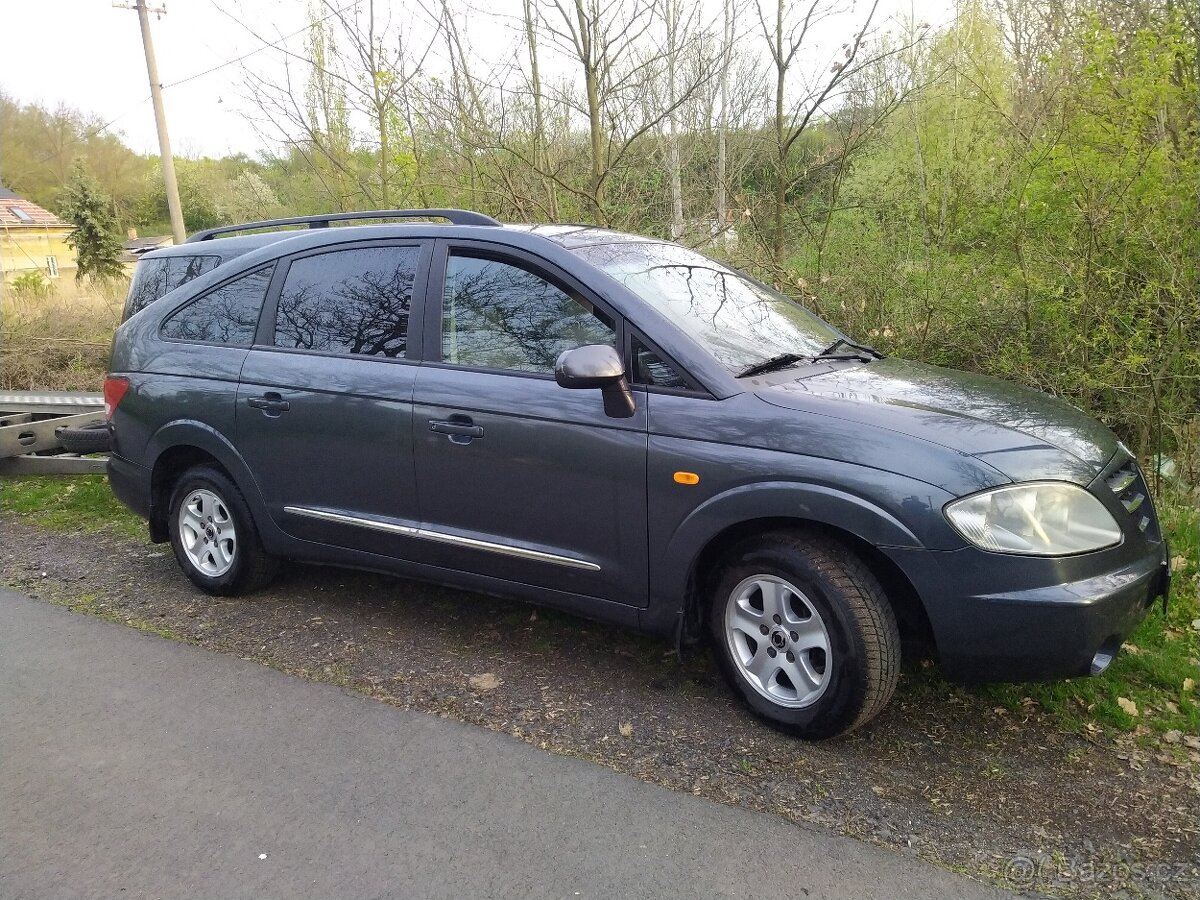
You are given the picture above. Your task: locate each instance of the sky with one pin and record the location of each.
(88, 54)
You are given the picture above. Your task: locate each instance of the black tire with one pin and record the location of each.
(250, 567)
(857, 676)
(94, 438)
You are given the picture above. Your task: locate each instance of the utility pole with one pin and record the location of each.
(160, 117)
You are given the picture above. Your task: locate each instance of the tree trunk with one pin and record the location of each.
(379, 102)
(591, 78)
(597, 135)
(385, 151)
(458, 74)
(541, 151)
(417, 150)
(780, 137)
(671, 11)
(723, 122)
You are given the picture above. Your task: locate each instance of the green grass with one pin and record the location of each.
(1150, 671)
(78, 503)
(90, 604)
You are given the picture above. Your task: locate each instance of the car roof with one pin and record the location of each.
(573, 236)
(566, 236)
(226, 248)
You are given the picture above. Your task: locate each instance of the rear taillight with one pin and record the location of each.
(115, 387)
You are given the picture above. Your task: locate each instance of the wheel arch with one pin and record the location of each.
(168, 466)
(181, 445)
(705, 538)
(916, 631)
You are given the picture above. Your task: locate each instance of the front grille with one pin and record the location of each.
(1130, 487)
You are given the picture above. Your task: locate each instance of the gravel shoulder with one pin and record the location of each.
(941, 774)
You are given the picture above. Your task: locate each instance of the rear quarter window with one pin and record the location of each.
(155, 277)
(227, 315)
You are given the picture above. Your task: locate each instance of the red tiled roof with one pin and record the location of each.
(37, 215)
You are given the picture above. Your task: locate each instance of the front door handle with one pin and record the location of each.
(460, 429)
(270, 403)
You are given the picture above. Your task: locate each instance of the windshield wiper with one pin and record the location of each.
(782, 361)
(830, 352)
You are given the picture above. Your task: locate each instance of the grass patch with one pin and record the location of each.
(91, 605)
(77, 503)
(1151, 670)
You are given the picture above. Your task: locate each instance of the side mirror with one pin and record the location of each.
(597, 366)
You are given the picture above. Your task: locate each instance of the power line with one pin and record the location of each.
(265, 46)
(98, 130)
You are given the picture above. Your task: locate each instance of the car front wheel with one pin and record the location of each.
(213, 535)
(805, 634)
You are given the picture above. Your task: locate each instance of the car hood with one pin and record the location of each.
(1021, 432)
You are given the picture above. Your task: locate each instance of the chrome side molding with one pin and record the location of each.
(443, 538)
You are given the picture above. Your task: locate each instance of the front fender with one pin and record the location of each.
(913, 522)
(811, 502)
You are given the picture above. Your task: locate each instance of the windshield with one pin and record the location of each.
(741, 322)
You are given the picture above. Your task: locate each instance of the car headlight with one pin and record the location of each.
(1036, 519)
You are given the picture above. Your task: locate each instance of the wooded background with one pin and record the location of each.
(1015, 192)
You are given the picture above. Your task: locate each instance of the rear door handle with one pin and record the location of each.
(461, 429)
(269, 403)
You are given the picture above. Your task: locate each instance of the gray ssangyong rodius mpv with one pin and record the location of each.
(628, 430)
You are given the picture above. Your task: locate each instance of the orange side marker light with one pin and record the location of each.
(687, 478)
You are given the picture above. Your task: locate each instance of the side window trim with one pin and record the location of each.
(694, 388)
(264, 338)
(245, 273)
(431, 333)
(266, 322)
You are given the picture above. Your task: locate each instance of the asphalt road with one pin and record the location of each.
(132, 766)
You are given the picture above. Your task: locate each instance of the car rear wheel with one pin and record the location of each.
(805, 634)
(213, 535)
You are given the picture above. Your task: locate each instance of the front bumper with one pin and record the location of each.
(1007, 618)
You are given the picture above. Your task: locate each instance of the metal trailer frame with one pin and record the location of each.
(29, 422)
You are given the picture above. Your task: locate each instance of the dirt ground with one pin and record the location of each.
(941, 774)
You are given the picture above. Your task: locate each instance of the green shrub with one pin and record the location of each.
(31, 286)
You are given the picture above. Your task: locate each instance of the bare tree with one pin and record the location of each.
(672, 12)
(541, 150)
(618, 57)
(787, 31)
(359, 64)
(723, 123)
(600, 37)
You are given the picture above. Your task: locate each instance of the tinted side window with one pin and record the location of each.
(499, 316)
(154, 277)
(348, 301)
(227, 315)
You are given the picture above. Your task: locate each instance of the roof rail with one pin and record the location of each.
(455, 217)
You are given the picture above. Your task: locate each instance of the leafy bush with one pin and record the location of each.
(1048, 239)
(31, 286)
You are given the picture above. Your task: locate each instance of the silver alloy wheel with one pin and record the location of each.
(206, 532)
(778, 641)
